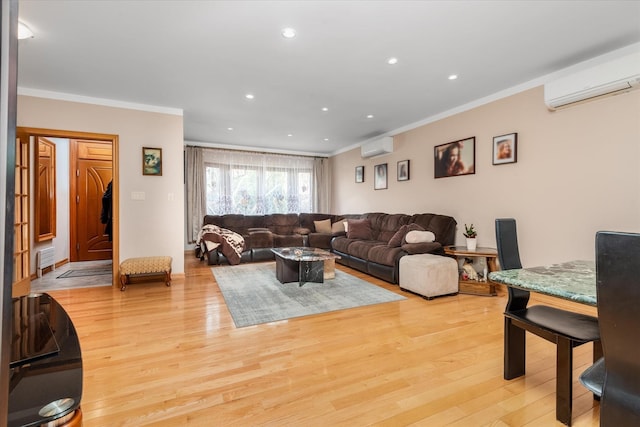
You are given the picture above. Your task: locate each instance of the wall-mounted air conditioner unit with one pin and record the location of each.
(376, 147)
(613, 77)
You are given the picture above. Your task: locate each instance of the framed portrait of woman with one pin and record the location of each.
(455, 158)
(380, 177)
(505, 149)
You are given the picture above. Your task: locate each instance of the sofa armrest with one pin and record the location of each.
(421, 248)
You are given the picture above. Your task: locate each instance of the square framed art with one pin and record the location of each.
(455, 158)
(505, 149)
(152, 161)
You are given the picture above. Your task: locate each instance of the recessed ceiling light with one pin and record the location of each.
(325, 109)
(326, 139)
(369, 116)
(249, 96)
(392, 61)
(229, 128)
(24, 32)
(288, 33)
(453, 76)
(290, 134)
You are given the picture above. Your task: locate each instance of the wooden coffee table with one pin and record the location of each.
(302, 265)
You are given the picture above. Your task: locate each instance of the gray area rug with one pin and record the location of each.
(254, 295)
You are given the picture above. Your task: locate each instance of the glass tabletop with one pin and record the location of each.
(304, 254)
(574, 280)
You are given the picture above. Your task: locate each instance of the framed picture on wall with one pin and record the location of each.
(152, 161)
(403, 170)
(505, 149)
(380, 177)
(359, 174)
(455, 158)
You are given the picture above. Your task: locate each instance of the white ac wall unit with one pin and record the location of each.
(376, 147)
(613, 77)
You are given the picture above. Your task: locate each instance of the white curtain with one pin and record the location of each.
(252, 183)
(322, 174)
(196, 202)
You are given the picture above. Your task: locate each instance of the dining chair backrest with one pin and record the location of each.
(618, 292)
(509, 259)
(507, 242)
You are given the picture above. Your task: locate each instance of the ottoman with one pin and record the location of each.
(429, 275)
(154, 265)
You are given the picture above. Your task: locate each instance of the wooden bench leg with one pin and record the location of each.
(564, 370)
(123, 282)
(167, 278)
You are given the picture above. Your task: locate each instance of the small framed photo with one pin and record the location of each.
(505, 149)
(455, 158)
(359, 174)
(403, 170)
(152, 161)
(380, 177)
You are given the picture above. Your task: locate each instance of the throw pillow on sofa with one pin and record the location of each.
(323, 226)
(359, 229)
(337, 227)
(417, 236)
(399, 238)
(396, 239)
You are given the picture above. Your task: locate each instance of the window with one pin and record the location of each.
(256, 184)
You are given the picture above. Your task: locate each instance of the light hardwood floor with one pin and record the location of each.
(171, 356)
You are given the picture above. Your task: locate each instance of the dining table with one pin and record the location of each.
(572, 281)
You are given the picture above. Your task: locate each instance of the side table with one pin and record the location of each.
(476, 287)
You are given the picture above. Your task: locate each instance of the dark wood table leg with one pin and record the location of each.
(514, 350)
(564, 370)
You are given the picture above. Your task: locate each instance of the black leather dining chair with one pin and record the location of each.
(617, 376)
(564, 328)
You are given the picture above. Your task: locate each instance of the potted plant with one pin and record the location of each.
(471, 234)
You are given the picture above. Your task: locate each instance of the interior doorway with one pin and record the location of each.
(93, 164)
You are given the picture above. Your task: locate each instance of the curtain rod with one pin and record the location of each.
(256, 152)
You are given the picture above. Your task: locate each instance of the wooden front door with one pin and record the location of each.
(93, 172)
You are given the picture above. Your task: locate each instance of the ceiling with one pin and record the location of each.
(203, 57)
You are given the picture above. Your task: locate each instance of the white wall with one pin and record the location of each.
(577, 172)
(154, 226)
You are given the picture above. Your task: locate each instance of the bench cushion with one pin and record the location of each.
(146, 265)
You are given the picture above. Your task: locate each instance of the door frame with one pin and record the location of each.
(115, 186)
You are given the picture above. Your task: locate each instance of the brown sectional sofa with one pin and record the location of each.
(371, 254)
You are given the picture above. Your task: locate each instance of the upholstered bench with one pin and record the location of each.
(429, 275)
(154, 265)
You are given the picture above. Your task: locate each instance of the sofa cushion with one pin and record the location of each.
(258, 239)
(287, 240)
(416, 236)
(301, 230)
(359, 229)
(323, 226)
(385, 226)
(341, 244)
(360, 248)
(281, 223)
(338, 227)
(385, 255)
